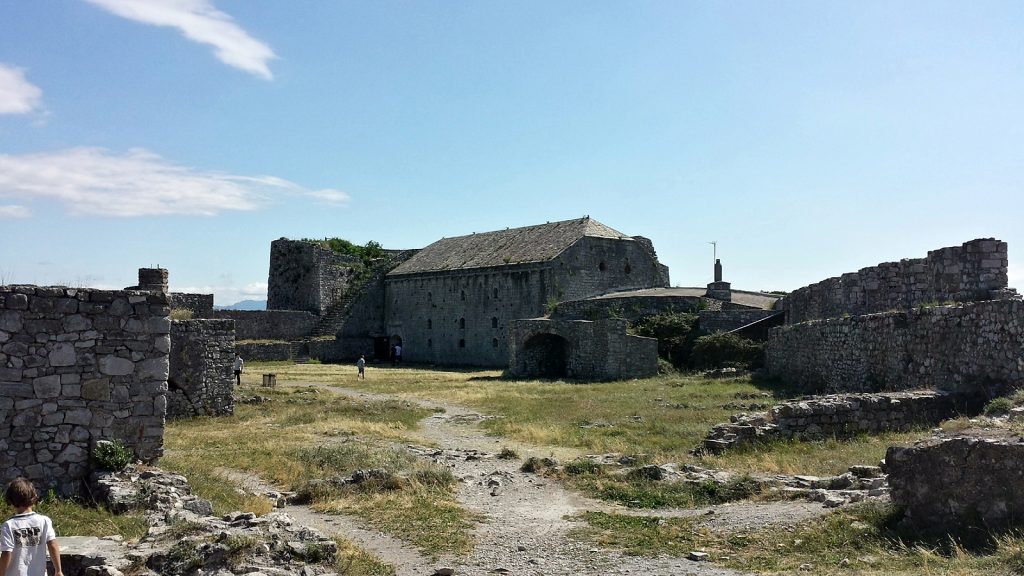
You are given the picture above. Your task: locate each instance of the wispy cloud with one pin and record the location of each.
(200, 22)
(17, 94)
(227, 295)
(14, 211)
(138, 183)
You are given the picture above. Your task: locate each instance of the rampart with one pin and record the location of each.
(201, 305)
(201, 378)
(976, 349)
(78, 366)
(269, 324)
(965, 273)
(307, 276)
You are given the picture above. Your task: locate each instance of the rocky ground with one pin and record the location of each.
(527, 517)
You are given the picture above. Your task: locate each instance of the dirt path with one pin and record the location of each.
(527, 518)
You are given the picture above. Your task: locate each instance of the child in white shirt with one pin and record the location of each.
(25, 538)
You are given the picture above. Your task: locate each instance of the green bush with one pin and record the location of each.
(370, 251)
(582, 466)
(675, 332)
(112, 455)
(998, 407)
(722, 349)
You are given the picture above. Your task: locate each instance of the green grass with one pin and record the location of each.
(75, 518)
(861, 540)
(304, 435)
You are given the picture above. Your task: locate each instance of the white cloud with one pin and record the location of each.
(17, 95)
(201, 22)
(335, 197)
(138, 183)
(14, 211)
(227, 295)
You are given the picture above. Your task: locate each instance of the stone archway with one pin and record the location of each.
(545, 356)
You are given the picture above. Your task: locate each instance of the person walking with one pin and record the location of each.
(361, 365)
(27, 536)
(238, 369)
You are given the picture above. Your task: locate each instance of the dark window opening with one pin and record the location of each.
(462, 295)
(602, 267)
(495, 292)
(628, 268)
(462, 323)
(430, 323)
(462, 343)
(430, 343)
(494, 322)
(494, 342)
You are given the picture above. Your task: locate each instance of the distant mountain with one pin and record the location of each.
(245, 305)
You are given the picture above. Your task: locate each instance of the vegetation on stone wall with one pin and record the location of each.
(675, 331)
(723, 349)
(370, 251)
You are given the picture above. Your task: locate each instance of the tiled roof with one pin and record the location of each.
(512, 246)
(741, 297)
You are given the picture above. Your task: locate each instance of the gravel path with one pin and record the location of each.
(527, 517)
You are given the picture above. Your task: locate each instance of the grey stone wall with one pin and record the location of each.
(594, 266)
(78, 366)
(839, 416)
(728, 320)
(306, 276)
(269, 324)
(463, 318)
(953, 483)
(201, 379)
(265, 351)
(956, 274)
(201, 305)
(580, 349)
(975, 349)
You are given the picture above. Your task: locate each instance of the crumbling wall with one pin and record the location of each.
(201, 305)
(951, 483)
(965, 273)
(269, 324)
(78, 366)
(838, 415)
(306, 276)
(201, 378)
(975, 349)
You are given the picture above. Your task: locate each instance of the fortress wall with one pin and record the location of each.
(972, 348)
(582, 349)
(727, 320)
(78, 366)
(627, 264)
(269, 324)
(629, 307)
(956, 274)
(201, 305)
(306, 276)
(201, 379)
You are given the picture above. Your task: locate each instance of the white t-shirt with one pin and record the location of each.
(25, 537)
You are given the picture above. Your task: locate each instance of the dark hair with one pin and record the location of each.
(21, 493)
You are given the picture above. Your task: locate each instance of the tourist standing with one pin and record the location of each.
(238, 369)
(398, 353)
(26, 536)
(361, 365)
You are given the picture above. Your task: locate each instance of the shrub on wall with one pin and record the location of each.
(675, 331)
(723, 349)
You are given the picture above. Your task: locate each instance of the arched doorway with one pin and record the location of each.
(544, 355)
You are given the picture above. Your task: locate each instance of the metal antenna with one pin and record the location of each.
(714, 249)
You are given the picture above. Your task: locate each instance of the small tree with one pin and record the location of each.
(675, 332)
(723, 349)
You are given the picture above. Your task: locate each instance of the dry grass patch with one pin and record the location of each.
(76, 518)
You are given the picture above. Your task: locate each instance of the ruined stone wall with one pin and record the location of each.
(955, 274)
(201, 305)
(953, 483)
(580, 349)
(728, 320)
(264, 351)
(974, 349)
(462, 317)
(269, 324)
(306, 276)
(78, 366)
(201, 379)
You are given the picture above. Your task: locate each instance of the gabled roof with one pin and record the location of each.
(503, 247)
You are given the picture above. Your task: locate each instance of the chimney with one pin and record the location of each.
(718, 269)
(718, 289)
(153, 279)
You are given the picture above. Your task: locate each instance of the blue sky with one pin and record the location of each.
(807, 138)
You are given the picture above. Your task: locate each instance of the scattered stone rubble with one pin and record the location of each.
(185, 538)
(840, 415)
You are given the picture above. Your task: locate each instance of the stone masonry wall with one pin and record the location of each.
(201, 379)
(78, 366)
(201, 305)
(956, 274)
(839, 415)
(306, 276)
(953, 483)
(975, 349)
(580, 349)
(629, 307)
(269, 324)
